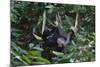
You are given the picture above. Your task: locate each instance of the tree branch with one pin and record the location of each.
(76, 22)
(44, 21)
(37, 37)
(75, 27)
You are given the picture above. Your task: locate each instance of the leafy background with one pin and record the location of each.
(27, 18)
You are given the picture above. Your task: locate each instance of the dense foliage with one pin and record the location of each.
(27, 18)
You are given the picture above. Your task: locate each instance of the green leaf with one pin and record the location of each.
(58, 53)
(25, 58)
(15, 30)
(13, 18)
(43, 60)
(49, 6)
(34, 53)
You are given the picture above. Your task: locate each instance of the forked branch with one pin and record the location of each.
(75, 27)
